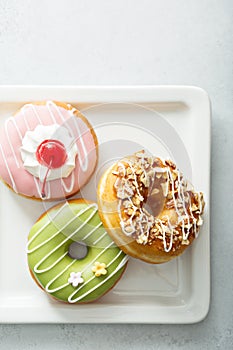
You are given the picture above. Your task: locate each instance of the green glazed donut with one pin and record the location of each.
(71, 256)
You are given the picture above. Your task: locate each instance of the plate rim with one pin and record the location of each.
(187, 94)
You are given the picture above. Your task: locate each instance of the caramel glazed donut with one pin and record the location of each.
(148, 208)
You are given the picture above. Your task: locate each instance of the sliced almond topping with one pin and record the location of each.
(185, 242)
(130, 211)
(129, 229)
(170, 196)
(155, 191)
(194, 207)
(164, 188)
(129, 171)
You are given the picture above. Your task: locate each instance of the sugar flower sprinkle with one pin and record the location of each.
(75, 279)
(99, 269)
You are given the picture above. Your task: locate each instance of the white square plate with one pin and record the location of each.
(169, 121)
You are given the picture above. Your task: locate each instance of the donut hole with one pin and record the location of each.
(154, 204)
(155, 200)
(77, 250)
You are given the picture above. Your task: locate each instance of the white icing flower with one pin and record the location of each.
(33, 139)
(75, 279)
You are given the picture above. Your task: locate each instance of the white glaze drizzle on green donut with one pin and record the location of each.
(40, 271)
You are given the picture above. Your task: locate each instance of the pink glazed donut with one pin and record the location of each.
(48, 151)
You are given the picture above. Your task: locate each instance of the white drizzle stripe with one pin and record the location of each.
(47, 188)
(69, 188)
(114, 259)
(93, 230)
(71, 112)
(173, 190)
(194, 219)
(44, 242)
(25, 119)
(56, 277)
(42, 228)
(63, 119)
(60, 114)
(8, 169)
(182, 199)
(86, 267)
(67, 239)
(50, 111)
(50, 267)
(167, 188)
(84, 165)
(63, 227)
(123, 262)
(11, 119)
(180, 218)
(36, 113)
(58, 111)
(37, 186)
(171, 237)
(93, 277)
(99, 239)
(23, 110)
(121, 165)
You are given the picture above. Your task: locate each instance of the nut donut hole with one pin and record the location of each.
(148, 208)
(155, 199)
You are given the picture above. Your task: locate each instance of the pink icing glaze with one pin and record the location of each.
(11, 166)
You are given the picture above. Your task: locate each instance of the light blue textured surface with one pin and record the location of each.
(134, 42)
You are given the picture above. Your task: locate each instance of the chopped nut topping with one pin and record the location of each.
(164, 188)
(129, 171)
(129, 229)
(194, 207)
(170, 164)
(145, 177)
(155, 191)
(170, 196)
(170, 204)
(158, 175)
(185, 242)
